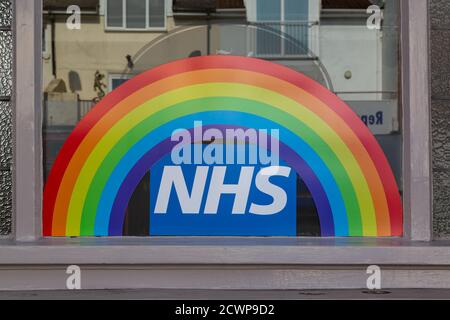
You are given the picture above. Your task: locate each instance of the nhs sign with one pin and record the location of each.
(230, 186)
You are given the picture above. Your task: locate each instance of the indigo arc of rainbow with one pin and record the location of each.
(353, 185)
(219, 68)
(151, 124)
(145, 153)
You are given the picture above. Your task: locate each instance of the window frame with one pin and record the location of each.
(29, 247)
(124, 27)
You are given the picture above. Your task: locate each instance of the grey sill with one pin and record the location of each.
(183, 294)
(225, 251)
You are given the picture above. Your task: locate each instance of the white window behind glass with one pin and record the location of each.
(284, 27)
(135, 14)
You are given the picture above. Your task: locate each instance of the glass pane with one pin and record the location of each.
(5, 135)
(6, 81)
(117, 82)
(268, 10)
(156, 13)
(5, 168)
(136, 14)
(115, 13)
(5, 63)
(296, 37)
(296, 27)
(311, 111)
(296, 10)
(269, 38)
(5, 13)
(5, 202)
(440, 115)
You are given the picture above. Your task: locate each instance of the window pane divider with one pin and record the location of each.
(124, 14)
(147, 14)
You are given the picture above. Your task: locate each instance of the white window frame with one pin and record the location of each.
(124, 19)
(46, 36)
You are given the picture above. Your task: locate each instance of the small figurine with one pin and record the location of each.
(99, 86)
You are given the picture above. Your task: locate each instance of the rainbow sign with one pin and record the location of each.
(321, 138)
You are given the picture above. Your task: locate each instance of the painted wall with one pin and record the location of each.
(79, 53)
(364, 60)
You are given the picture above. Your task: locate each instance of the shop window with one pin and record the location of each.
(322, 157)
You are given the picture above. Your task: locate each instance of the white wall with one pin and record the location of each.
(352, 48)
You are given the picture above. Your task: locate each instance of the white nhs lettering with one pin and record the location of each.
(191, 203)
(231, 146)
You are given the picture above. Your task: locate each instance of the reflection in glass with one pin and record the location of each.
(156, 13)
(357, 64)
(136, 14)
(115, 13)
